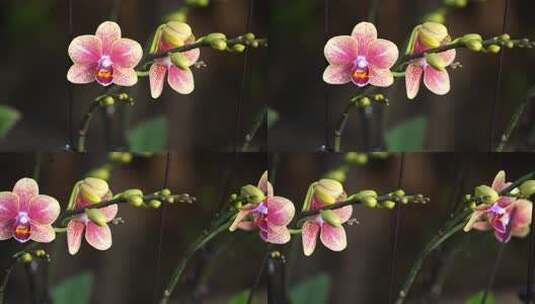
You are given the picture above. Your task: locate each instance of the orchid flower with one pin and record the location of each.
(327, 224)
(104, 57)
(27, 215)
(93, 221)
(432, 66)
(172, 35)
(270, 215)
(507, 216)
(360, 58)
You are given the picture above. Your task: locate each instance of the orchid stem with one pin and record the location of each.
(5, 280)
(260, 118)
(82, 132)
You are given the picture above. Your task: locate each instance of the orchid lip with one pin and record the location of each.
(497, 209)
(261, 208)
(22, 227)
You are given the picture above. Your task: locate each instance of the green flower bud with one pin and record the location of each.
(435, 61)
(474, 45)
(254, 44)
(431, 34)
(155, 204)
(389, 204)
(437, 17)
(122, 97)
(178, 16)
(331, 217)
(93, 189)
(107, 101)
(40, 253)
(219, 44)
(132, 192)
(165, 192)
(253, 194)
(175, 33)
(238, 48)
(369, 202)
(26, 258)
(405, 201)
(527, 189)
(472, 36)
(96, 216)
(364, 102)
(101, 173)
(493, 48)
(170, 199)
(126, 157)
(487, 194)
(505, 37)
(328, 190)
(365, 194)
(249, 36)
(399, 193)
(510, 44)
(338, 175)
(180, 61)
(362, 159)
(135, 200)
(214, 36)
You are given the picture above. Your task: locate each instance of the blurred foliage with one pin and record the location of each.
(407, 136)
(8, 118)
(314, 290)
(149, 136)
(478, 298)
(240, 298)
(76, 289)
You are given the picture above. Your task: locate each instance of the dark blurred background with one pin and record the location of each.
(127, 272)
(459, 121)
(35, 38)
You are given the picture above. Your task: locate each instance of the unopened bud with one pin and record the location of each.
(389, 204)
(135, 200)
(527, 189)
(505, 37)
(93, 189)
(436, 61)
(431, 34)
(399, 193)
(219, 44)
(214, 36)
(175, 33)
(493, 48)
(369, 202)
(155, 204)
(253, 194)
(40, 253)
(26, 258)
(165, 192)
(487, 194)
(328, 190)
(180, 61)
(364, 102)
(107, 101)
(96, 216)
(331, 217)
(238, 48)
(365, 194)
(249, 36)
(474, 45)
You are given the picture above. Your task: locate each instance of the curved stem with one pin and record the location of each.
(515, 119)
(84, 127)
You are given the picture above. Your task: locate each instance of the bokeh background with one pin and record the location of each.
(361, 274)
(35, 37)
(459, 121)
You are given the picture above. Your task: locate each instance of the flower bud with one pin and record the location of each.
(437, 17)
(493, 48)
(107, 101)
(487, 194)
(399, 193)
(328, 190)
(331, 217)
(369, 202)
(40, 253)
(249, 36)
(155, 204)
(93, 189)
(339, 175)
(101, 173)
(238, 48)
(364, 102)
(510, 44)
(26, 258)
(175, 33)
(253, 194)
(179, 16)
(180, 61)
(132, 192)
(214, 36)
(474, 45)
(505, 37)
(389, 204)
(219, 44)
(165, 192)
(472, 36)
(527, 189)
(135, 200)
(435, 61)
(431, 34)
(96, 216)
(365, 194)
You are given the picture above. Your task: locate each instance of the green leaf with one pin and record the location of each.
(76, 289)
(314, 290)
(8, 118)
(478, 297)
(408, 136)
(149, 136)
(240, 298)
(272, 117)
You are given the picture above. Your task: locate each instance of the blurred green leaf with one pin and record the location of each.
(407, 136)
(76, 289)
(8, 118)
(272, 117)
(240, 298)
(314, 290)
(478, 297)
(149, 136)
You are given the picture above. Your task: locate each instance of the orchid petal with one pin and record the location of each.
(9, 206)
(309, 236)
(108, 32)
(333, 238)
(436, 81)
(86, 49)
(364, 33)
(192, 55)
(381, 77)
(265, 185)
(98, 236)
(42, 233)
(448, 56)
(126, 77)
(43, 209)
(276, 235)
(126, 53)
(344, 213)
(498, 184)
(280, 211)
(244, 212)
(382, 53)
(109, 212)
(81, 73)
(75, 231)
(181, 80)
(413, 76)
(6, 230)
(522, 214)
(156, 79)
(337, 74)
(26, 189)
(341, 50)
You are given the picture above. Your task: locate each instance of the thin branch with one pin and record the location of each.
(84, 127)
(515, 119)
(260, 118)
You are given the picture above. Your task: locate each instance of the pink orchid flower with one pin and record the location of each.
(27, 215)
(104, 57)
(97, 235)
(175, 34)
(436, 80)
(360, 58)
(270, 216)
(508, 216)
(332, 237)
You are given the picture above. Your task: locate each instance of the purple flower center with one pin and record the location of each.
(360, 72)
(104, 71)
(22, 228)
(497, 209)
(261, 209)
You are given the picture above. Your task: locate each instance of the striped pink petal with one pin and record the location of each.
(108, 32)
(126, 77)
(85, 49)
(310, 236)
(192, 55)
(382, 53)
(332, 237)
(413, 76)
(181, 80)
(448, 56)
(499, 183)
(6, 229)
(157, 79)
(381, 77)
(75, 231)
(9, 206)
(341, 50)
(242, 214)
(280, 211)
(26, 189)
(81, 73)
(521, 215)
(42, 233)
(276, 235)
(126, 53)
(337, 74)
(364, 33)
(265, 185)
(436, 81)
(98, 236)
(109, 212)
(43, 209)
(344, 213)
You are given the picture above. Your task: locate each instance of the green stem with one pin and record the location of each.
(262, 115)
(5, 280)
(514, 120)
(201, 241)
(84, 127)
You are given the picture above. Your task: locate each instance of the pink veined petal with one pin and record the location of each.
(364, 33)
(381, 77)
(337, 74)
(448, 56)
(42, 233)
(246, 225)
(82, 73)
(503, 237)
(521, 231)
(126, 53)
(280, 211)
(265, 185)
(156, 79)
(126, 77)
(75, 231)
(181, 80)
(522, 214)
(26, 188)
(413, 76)
(85, 49)
(382, 53)
(9, 206)
(341, 50)
(476, 215)
(436, 81)
(332, 237)
(276, 235)
(499, 181)
(109, 212)
(192, 55)
(344, 213)
(6, 229)
(108, 32)
(244, 212)
(310, 236)
(98, 236)
(43, 209)
(482, 225)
